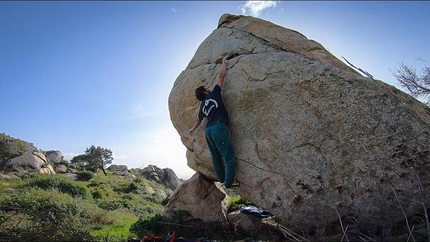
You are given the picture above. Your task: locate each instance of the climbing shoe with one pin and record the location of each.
(234, 184)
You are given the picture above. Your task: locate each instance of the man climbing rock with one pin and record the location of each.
(216, 131)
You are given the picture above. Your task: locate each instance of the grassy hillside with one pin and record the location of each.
(95, 208)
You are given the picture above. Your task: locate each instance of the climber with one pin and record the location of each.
(216, 131)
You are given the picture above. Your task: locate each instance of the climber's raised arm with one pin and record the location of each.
(222, 72)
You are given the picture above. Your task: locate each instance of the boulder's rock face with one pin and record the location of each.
(48, 169)
(153, 173)
(171, 179)
(250, 223)
(119, 170)
(166, 176)
(60, 169)
(32, 159)
(201, 198)
(54, 156)
(311, 135)
(35, 160)
(9, 176)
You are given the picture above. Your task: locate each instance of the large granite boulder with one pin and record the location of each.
(36, 161)
(312, 136)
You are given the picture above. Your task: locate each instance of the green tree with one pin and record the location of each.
(95, 157)
(418, 85)
(99, 157)
(80, 159)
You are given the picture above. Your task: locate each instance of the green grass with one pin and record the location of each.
(102, 208)
(119, 230)
(235, 202)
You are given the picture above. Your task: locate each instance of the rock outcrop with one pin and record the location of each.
(34, 160)
(119, 170)
(166, 176)
(312, 137)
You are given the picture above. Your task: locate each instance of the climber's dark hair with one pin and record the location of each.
(200, 93)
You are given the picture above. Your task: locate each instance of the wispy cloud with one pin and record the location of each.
(254, 8)
(174, 10)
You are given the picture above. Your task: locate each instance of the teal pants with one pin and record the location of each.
(221, 148)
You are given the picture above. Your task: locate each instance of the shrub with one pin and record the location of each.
(97, 194)
(48, 182)
(110, 204)
(102, 209)
(165, 201)
(39, 215)
(146, 225)
(132, 187)
(85, 175)
(236, 202)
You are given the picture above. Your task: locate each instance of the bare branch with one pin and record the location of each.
(341, 225)
(423, 202)
(417, 85)
(404, 214)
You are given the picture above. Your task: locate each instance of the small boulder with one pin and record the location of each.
(119, 170)
(203, 199)
(5, 177)
(47, 169)
(71, 176)
(8, 190)
(250, 223)
(54, 156)
(73, 171)
(121, 173)
(61, 169)
(13, 175)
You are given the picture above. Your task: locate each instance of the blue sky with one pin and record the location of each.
(76, 74)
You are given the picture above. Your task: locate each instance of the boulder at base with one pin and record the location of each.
(311, 135)
(203, 199)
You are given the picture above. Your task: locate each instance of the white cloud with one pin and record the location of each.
(254, 8)
(174, 10)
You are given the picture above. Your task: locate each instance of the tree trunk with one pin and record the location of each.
(103, 169)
